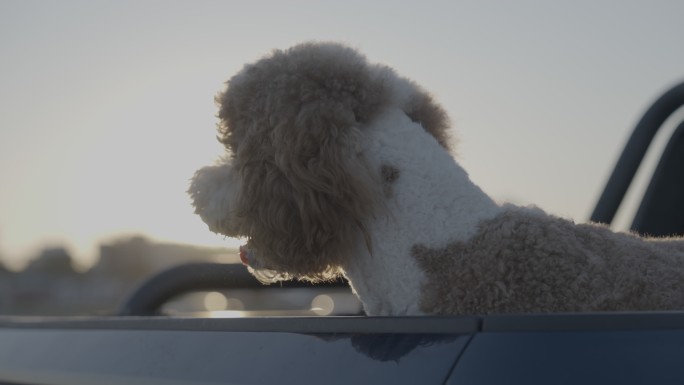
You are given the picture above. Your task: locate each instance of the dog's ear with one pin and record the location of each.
(306, 200)
(422, 108)
(417, 103)
(292, 122)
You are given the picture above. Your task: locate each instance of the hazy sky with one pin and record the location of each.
(106, 107)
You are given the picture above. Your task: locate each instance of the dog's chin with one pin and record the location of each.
(267, 276)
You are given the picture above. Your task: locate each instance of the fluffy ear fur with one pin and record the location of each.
(416, 103)
(292, 123)
(423, 109)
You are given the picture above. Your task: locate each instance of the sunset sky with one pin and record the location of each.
(106, 107)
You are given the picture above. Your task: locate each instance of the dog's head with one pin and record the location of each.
(295, 183)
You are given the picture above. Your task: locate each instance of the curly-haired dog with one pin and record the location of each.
(341, 167)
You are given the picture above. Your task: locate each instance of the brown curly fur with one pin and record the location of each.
(291, 122)
(525, 261)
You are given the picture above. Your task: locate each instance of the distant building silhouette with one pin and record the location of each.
(135, 258)
(54, 260)
(51, 286)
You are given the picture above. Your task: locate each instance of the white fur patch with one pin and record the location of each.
(433, 203)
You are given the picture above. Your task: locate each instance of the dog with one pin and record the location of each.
(336, 166)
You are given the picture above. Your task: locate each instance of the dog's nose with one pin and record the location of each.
(244, 255)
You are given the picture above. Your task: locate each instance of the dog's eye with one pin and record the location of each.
(389, 175)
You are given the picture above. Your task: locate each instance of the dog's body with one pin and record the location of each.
(338, 167)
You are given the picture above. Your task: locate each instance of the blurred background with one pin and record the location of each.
(106, 111)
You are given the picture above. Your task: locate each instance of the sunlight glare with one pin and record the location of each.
(215, 301)
(322, 305)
